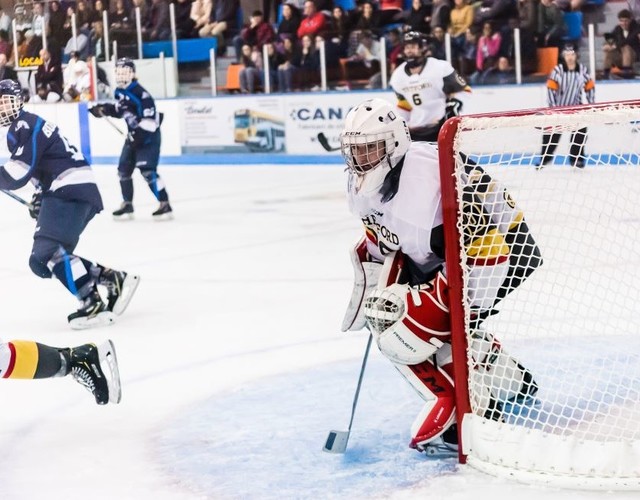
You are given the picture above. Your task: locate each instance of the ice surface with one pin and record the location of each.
(233, 366)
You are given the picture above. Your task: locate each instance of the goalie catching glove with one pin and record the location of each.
(409, 323)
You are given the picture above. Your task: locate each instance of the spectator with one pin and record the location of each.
(332, 58)
(528, 14)
(138, 4)
(488, 48)
(222, 19)
(5, 21)
(84, 16)
(496, 11)
(440, 14)
(96, 41)
(38, 20)
(274, 58)
(32, 45)
(5, 45)
(366, 19)
(290, 22)
(6, 72)
(469, 52)
(56, 23)
(418, 18)
(49, 78)
(306, 74)
(80, 44)
(527, 46)
(156, 25)
(622, 45)
(366, 61)
(551, 26)
(339, 29)
(122, 24)
(77, 83)
(314, 22)
(256, 34)
(23, 21)
(501, 73)
(461, 20)
(184, 23)
(435, 47)
(250, 74)
(395, 49)
(286, 69)
(98, 10)
(200, 13)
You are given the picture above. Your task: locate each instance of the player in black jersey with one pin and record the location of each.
(65, 200)
(142, 146)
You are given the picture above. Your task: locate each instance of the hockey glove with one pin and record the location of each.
(97, 110)
(36, 204)
(453, 107)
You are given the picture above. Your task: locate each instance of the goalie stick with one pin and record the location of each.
(324, 142)
(337, 440)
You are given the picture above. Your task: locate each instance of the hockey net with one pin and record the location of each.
(573, 323)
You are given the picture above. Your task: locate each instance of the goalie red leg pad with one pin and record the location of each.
(438, 414)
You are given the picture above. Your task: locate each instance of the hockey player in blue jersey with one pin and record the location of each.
(142, 146)
(65, 200)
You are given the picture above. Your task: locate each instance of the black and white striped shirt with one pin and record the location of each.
(564, 87)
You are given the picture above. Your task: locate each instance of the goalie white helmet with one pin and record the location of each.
(373, 141)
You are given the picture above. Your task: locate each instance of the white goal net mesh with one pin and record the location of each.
(572, 323)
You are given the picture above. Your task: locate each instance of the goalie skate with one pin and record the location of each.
(444, 446)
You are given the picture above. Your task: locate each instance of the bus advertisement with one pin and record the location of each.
(258, 131)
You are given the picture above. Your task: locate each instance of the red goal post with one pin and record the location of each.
(573, 322)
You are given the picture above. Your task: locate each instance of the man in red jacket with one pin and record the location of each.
(256, 34)
(314, 22)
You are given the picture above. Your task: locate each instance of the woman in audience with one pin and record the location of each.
(461, 21)
(289, 23)
(488, 48)
(250, 75)
(306, 74)
(339, 30)
(418, 18)
(274, 58)
(57, 19)
(287, 69)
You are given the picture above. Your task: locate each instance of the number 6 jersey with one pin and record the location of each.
(422, 96)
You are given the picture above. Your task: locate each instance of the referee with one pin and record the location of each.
(565, 85)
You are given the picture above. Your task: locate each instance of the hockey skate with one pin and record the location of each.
(96, 368)
(164, 212)
(444, 446)
(93, 312)
(120, 289)
(125, 212)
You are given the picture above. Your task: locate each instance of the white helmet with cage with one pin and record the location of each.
(373, 141)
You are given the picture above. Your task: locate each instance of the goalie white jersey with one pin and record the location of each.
(411, 221)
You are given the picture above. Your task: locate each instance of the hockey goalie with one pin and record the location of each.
(400, 291)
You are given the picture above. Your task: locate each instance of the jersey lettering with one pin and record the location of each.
(48, 128)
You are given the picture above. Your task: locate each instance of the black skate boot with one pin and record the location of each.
(96, 368)
(120, 288)
(164, 212)
(93, 312)
(125, 212)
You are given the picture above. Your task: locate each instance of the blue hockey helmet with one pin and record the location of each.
(125, 72)
(11, 101)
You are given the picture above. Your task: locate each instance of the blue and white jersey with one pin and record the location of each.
(42, 155)
(138, 109)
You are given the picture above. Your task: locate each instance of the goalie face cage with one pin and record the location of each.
(573, 323)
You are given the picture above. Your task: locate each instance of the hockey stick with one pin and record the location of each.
(337, 440)
(324, 142)
(10, 194)
(115, 127)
